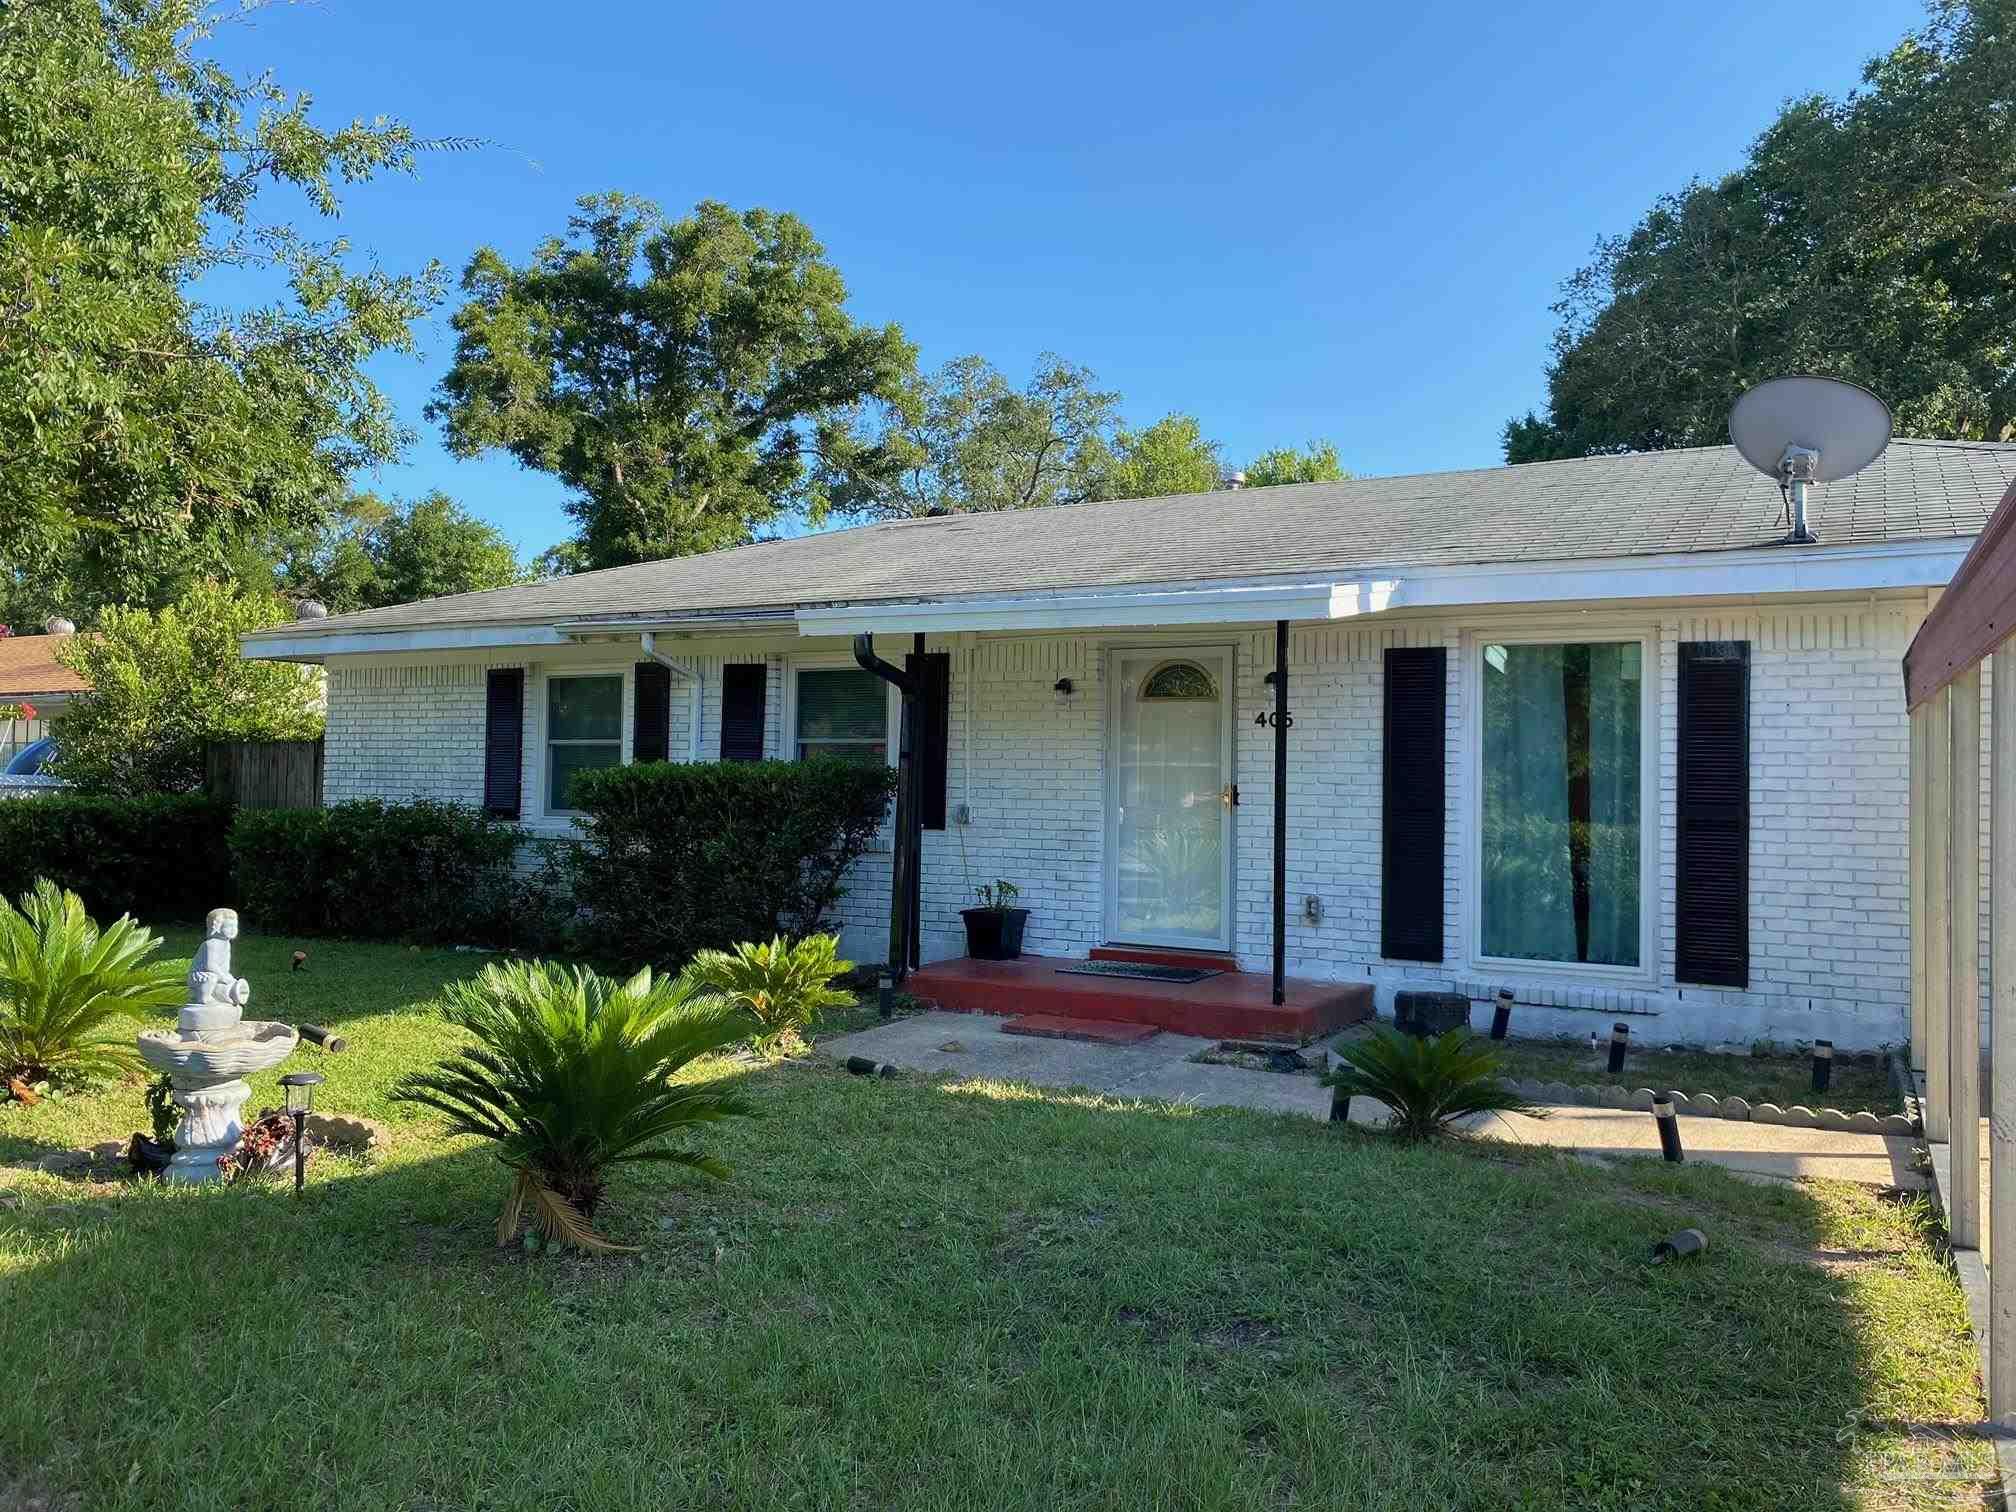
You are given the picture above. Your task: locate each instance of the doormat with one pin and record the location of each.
(1139, 972)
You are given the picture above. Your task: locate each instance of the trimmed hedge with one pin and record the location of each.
(681, 858)
(160, 859)
(372, 870)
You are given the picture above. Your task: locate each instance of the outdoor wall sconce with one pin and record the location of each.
(300, 1089)
(1063, 689)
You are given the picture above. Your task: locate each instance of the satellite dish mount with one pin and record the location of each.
(1801, 430)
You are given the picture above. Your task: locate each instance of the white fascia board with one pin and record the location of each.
(1732, 574)
(268, 646)
(1192, 604)
(1761, 571)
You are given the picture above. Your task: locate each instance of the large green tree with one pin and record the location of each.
(164, 684)
(1172, 456)
(1315, 463)
(146, 425)
(967, 438)
(689, 380)
(374, 553)
(1871, 237)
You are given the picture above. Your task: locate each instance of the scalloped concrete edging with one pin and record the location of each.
(1708, 1105)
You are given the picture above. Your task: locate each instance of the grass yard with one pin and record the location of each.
(959, 1295)
(1782, 1079)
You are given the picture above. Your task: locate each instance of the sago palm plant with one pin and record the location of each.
(1428, 1084)
(573, 1073)
(69, 990)
(783, 986)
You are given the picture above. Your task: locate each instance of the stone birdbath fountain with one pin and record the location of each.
(210, 1053)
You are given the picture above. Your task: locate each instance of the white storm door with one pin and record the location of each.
(1169, 801)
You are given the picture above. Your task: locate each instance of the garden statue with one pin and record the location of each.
(212, 1049)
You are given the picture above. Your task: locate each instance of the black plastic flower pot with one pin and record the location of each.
(994, 934)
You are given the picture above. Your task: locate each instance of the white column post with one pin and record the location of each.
(1963, 1134)
(1938, 909)
(1921, 739)
(2002, 1040)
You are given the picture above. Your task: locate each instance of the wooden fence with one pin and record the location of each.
(265, 773)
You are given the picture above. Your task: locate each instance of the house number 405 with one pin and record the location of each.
(1270, 718)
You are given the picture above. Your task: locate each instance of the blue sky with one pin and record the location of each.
(1290, 221)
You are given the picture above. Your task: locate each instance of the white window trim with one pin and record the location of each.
(836, 661)
(1651, 905)
(543, 746)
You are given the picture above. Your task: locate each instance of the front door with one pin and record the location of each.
(1169, 798)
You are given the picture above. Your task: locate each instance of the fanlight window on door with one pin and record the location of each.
(1179, 680)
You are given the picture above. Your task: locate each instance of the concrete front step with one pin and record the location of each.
(1097, 1031)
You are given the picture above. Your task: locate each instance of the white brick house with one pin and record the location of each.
(1109, 662)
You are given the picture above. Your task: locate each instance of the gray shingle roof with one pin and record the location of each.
(1697, 500)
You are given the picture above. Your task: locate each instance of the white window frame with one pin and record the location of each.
(547, 677)
(1651, 904)
(892, 717)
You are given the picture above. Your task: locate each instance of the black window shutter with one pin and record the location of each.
(936, 720)
(743, 688)
(503, 740)
(1414, 784)
(651, 712)
(1711, 903)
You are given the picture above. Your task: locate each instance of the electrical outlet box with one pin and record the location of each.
(963, 814)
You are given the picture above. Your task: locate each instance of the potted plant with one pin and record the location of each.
(994, 929)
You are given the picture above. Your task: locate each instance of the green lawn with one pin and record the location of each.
(1782, 1079)
(959, 1295)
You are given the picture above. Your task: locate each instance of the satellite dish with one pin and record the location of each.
(1802, 430)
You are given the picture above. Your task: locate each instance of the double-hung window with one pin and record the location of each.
(584, 730)
(1561, 802)
(841, 711)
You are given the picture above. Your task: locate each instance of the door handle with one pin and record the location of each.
(1230, 796)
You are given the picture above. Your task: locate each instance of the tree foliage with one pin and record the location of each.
(966, 438)
(374, 553)
(1869, 237)
(681, 377)
(145, 427)
(164, 684)
(1172, 456)
(1317, 463)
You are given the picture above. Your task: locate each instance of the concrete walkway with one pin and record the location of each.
(972, 1045)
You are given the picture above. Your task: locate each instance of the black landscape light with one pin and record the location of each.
(300, 1089)
(1620, 1041)
(1667, 1117)
(1501, 1016)
(1823, 1064)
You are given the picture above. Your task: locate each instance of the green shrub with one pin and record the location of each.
(69, 991)
(164, 685)
(1428, 1084)
(157, 858)
(574, 1073)
(677, 859)
(782, 986)
(375, 870)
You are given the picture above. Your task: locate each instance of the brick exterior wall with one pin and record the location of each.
(1829, 768)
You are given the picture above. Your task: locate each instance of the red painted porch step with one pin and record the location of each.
(1235, 1005)
(1099, 1031)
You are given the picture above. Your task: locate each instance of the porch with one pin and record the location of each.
(1227, 1004)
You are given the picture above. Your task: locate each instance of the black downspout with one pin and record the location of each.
(1280, 812)
(903, 889)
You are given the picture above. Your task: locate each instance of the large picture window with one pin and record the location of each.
(584, 730)
(1561, 797)
(844, 712)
